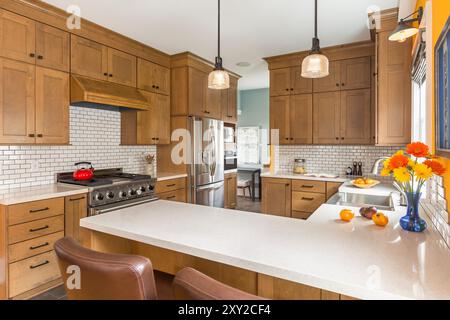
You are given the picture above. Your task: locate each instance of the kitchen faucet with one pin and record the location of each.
(375, 171)
(376, 165)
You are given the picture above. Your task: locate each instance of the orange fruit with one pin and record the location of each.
(380, 219)
(347, 215)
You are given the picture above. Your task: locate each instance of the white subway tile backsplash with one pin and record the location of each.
(94, 137)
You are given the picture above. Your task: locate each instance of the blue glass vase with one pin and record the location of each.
(412, 221)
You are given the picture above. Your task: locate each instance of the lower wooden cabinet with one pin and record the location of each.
(230, 190)
(172, 190)
(177, 195)
(76, 209)
(296, 198)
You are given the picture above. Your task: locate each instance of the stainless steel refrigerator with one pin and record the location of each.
(206, 174)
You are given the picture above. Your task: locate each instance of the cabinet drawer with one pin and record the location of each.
(308, 186)
(33, 272)
(307, 202)
(170, 185)
(177, 195)
(36, 210)
(301, 215)
(34, 229)
(30, 248)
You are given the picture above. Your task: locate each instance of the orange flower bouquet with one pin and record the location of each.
(411, 171)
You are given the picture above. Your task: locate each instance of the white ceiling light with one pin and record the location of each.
(218, 79)
(315, 65)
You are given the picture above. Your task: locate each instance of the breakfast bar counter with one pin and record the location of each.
(277, 256)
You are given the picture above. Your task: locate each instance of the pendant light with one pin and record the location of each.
(404, 29)
(218, 79)
(315, 65)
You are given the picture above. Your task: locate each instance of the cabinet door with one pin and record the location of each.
(89, 58)
(327, 118)
(279, 119)
(52, 106)
(231, 102)
(394, 91)
(198, 85)
(152, 77)
(356, 73)
(301, 119)
(331, 82)
(75, 209)
(17, 37)
(230, 190)
(300, 85)
(162, 110)
(280, 82)
(276, 197)
(213, 104)
(355, 117)
(17, 102)
(121, 67)
(52, 47)
(153, 125)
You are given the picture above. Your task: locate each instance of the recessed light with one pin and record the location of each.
(243, 64)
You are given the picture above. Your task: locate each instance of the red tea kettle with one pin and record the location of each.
(82, 173)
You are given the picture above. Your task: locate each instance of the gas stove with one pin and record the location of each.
(112, 189)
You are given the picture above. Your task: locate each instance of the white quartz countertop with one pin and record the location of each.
(290, 175)
(163, 176)
(21, 195)
(230, 171)
(357, 259)
(382, 189)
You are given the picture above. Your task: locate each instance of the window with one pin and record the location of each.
(419, 76)
(248, 141)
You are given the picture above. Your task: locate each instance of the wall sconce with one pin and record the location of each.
(404, 29)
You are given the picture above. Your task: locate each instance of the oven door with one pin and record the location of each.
(93, 211)
(211, 195)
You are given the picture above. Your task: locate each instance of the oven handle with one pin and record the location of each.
(97, 211)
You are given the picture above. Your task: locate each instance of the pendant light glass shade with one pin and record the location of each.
(219, 79)
(315, 66)
(403, 32)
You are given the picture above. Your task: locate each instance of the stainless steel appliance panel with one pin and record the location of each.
(210, 195)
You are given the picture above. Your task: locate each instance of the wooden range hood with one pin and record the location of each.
(90, 92)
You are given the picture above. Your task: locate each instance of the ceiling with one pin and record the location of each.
(251, 29)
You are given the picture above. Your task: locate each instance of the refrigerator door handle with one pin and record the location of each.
(217, 185)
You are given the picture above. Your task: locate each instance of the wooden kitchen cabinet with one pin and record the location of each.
(355, 117)
(289, 81)
(279, 119)
(89, 58)
(213, 104)
(17, 102)
(276, 196)
(52, 48)
(229, 102)
(355, 73)
(393, 109)
(121, 67)
(153, 77)
(327, 118)
(330, 83)
(230, 190)
(172, 190)
(75, 209)
(17, 37)
(52, 106)
(198, 90)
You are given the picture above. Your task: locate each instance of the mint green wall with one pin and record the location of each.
(254, 105)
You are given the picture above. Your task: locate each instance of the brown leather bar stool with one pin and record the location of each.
(190, 284)
(104, 276)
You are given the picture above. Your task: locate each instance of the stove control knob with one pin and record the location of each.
(122, 194)
(151, 187)
(139, 191)
(99, 197)
(143, 189)
(110, 195)
(132, 192)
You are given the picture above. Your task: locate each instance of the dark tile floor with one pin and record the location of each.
(57, 293)
(246, 204)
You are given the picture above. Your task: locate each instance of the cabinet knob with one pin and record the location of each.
(342, 138)
(110, 75)
(337, 138)
(40, 135)
(105, 74)
(343, 84)
(32, 55)
(292, 139)
(153, 86)
(157, 87)
(40, 57)
(206, 111)
(287, 184)
(292, 89)
(31, 135)
(287, 89)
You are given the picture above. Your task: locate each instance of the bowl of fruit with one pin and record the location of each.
(365, 183)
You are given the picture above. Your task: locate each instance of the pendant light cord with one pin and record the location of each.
(315, 21)
(218, 29)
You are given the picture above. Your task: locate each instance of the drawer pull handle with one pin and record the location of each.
(39, 210)
(307, 199)
(171, 197)
(170, 185)
(76, 199)
(309, 187)
(39, 229)
(39, 246)
(40, 264)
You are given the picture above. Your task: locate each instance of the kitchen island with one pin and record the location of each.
(279, 257)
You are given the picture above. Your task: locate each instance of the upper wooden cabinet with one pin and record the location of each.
(213, 103)
(17, 37)
(197, 93)
(52, 48)
(89, 58)
(94, 60)
(34, 104)
(17, 102)
(153, 77)
(342, 117)
(292, 116)
(121, 67)
(393, 110)
(288, 81)
(229, 102)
